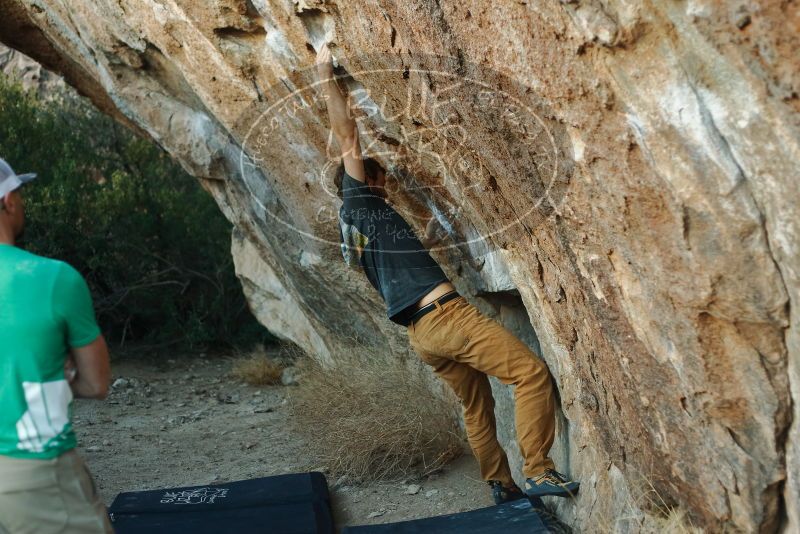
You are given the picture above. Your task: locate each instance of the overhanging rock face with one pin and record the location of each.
(618, 177)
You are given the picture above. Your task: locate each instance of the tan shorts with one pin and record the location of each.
(49, 496)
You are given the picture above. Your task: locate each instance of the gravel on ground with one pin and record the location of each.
(184, 421)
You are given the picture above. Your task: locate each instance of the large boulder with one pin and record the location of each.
(618, 180)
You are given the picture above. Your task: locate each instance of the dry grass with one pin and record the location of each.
(668, 519)
(675, 522)
(373, 420)
(258, 370)
(649, 513)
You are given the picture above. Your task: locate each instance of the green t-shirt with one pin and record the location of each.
(45, 309)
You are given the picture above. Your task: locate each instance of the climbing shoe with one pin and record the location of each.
(552, 483)
(503, 494)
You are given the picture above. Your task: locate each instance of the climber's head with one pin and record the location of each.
(375, 177)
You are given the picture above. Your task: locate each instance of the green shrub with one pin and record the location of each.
(149, 240)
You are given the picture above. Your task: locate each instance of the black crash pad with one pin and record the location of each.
(297, 518)
(286, 504)
(517, 517)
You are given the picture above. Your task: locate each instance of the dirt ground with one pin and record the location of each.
(185, 421)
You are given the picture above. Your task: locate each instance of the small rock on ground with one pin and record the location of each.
(289, 376)
(412, 489)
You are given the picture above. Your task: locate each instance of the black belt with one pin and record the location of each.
(432, 306)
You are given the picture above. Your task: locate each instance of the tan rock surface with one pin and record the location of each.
(631, 165)
(28, 71)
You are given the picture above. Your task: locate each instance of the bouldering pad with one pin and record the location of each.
(290, 504)
(517, 517)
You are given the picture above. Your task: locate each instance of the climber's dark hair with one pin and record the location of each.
(371, 169)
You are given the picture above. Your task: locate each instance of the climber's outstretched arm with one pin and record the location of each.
(344, 127)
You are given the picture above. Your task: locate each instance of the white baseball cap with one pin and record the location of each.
(11, 181)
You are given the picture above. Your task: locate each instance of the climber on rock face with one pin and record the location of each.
(462, 346)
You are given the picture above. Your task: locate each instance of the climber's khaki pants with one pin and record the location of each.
(50, 496)
(463, 347)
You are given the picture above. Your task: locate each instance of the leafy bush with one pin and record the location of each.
(151, 243)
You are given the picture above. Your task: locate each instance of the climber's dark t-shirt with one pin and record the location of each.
(375, 237)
